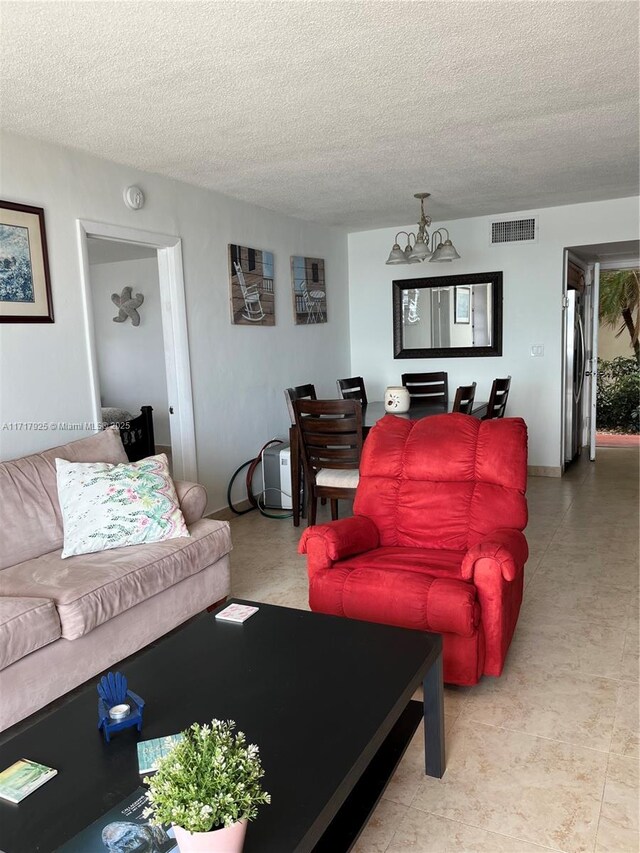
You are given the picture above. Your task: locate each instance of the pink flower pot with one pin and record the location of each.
(229, 839)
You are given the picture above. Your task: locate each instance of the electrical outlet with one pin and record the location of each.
(537, 351)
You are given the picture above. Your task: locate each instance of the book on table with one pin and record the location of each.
(23, 778)
(151, 751)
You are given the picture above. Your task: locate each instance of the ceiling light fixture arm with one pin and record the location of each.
(420, 250)
(425, 220)
(439, 231)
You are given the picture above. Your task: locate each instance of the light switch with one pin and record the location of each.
(537, 351)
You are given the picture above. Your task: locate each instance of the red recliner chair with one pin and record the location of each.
(436, 539)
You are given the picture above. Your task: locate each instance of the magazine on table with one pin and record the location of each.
(123, 828)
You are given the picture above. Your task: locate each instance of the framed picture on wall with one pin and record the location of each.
(309, 290)
(462, 305)
(25, 284)
(251, 285)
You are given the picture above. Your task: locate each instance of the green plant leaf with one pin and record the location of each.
(210, 779)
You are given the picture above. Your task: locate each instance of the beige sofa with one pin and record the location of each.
(63, 621)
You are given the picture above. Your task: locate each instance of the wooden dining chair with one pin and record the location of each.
(330, 436)
(463, 401)
(427, 387)
(353, 389)
(300, 392)
(498, 398)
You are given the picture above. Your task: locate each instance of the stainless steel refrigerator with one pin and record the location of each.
(574, 375)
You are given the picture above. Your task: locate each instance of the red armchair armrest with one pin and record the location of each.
(507, 547)
(494, 566)
(325, 544)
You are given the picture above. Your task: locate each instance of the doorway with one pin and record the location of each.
(129, 341)
(141, 359)
(610, 381)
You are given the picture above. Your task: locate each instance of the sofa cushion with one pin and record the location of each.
(108, 506)
(339, 478)
(29, 509)
(26, 624)
(89, 589)
(428, 561)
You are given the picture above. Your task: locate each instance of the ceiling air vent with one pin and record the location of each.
(513, 230)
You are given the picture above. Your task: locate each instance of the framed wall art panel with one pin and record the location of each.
(462, 310)
(25, 284)
(309, 290)
(251, 281)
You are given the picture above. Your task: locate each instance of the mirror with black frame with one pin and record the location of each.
(448, 316)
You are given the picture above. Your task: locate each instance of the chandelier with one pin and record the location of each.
(420, 251)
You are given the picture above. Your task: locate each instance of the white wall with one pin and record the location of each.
(131, 363)
(238, 372)
(532, 308)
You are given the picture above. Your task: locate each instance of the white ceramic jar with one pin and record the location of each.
(396, 399)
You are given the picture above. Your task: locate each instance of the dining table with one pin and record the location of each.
(372, 412)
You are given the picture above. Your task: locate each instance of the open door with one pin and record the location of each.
(592, 363)
(574, 435)
(594, 260)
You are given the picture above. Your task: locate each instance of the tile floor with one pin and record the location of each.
(545, 757)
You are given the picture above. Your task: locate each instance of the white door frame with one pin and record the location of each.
(593, 367)
(567, 256)
(174, 329)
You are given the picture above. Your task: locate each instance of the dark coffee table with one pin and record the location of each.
(328, 701)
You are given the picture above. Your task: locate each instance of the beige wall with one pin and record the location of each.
(611, 347)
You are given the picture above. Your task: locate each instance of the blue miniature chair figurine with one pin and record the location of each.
(112, 691)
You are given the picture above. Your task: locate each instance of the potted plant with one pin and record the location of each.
(208, 786)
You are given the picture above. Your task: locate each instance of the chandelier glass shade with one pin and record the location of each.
(403, 256)
(445, 251)
(420, 250)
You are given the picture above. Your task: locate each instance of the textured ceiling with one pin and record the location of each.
(339, 111)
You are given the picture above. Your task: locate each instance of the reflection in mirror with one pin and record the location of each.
(448, 315)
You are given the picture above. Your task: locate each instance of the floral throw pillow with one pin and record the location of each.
(107, 506)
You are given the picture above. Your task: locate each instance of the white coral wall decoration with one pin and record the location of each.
(128, 306)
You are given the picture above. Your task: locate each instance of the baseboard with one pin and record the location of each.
(226, 513)
(544, 471)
